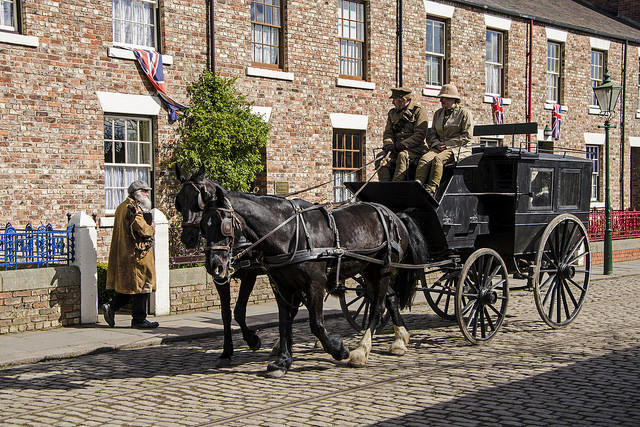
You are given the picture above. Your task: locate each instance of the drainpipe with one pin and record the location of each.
(399, 43)
(530, 78)
(213, 37)
(623, 122)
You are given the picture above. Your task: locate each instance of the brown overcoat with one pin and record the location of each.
(131, 268)
(456, 133)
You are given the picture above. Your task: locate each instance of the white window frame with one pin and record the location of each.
(437, 54)
(596, 75)
(13, 15)
(554, 72)
(638, 92)
(116, 192)
(264, 31)
(343, 174)
(494, 64)
(128, 21)
(352, 39)
(594, 152)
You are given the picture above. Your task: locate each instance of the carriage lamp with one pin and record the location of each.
(607, 95)
(547, 132)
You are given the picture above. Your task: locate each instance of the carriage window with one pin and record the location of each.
(266, 33)
(569, 188)
(135, 22)
(8, 15)
(347, 160)
(541, 188)
(351, 36)
(127, 156)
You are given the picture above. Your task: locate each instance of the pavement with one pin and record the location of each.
(65, 342)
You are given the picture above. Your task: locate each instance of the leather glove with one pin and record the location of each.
(387, 147)
(399, 147)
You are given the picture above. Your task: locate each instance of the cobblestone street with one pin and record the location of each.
(586, 374)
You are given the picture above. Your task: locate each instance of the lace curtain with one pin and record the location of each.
(134, 22)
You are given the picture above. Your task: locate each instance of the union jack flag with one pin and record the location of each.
(556, 121)
(498, 115)
(151, 64)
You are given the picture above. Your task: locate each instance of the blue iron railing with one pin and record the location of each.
(36, 248)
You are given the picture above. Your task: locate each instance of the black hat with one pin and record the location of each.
(400, 92)
(138, 185)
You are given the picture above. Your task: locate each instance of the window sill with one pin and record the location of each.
(107, 221)
(120, 53)
(594, 110)
(488, 99)
(19, 39)
(549, 106)
(431, 90)
(595, 204)
(356, 84)
(269, 74)
(638, 115)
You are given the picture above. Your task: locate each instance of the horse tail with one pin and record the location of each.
(404, 284)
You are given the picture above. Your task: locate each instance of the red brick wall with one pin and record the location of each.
(51, 133)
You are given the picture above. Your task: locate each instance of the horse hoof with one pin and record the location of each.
(278, 373)
(223, 363)
(318, 344)
(256, 344)
(357, 358)
(397, 350)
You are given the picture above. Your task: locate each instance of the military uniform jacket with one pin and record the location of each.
(456, 133)
(131, 268)
(410, 132)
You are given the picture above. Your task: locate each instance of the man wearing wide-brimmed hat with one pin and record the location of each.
(403, 137)
(451, 131)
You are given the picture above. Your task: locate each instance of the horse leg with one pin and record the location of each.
(401, 336)
(247, 282)
(225, 307)
(331, 344)
(286, 314)
(358, 357)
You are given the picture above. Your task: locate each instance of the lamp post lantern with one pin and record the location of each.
(607, 96)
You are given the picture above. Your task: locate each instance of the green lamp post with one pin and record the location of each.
(607, 95)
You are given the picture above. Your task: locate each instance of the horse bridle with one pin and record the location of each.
(201, 205)
(228, 225)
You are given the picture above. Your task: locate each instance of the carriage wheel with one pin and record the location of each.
(562, 270)
(441, 295)
(356, 307)
(482, 295)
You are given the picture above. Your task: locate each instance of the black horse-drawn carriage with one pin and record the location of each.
(501, 211)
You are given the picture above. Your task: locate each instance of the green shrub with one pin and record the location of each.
(219, 131)
(104, 294)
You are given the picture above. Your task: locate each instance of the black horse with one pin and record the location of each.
(308, 252)
(189, 203)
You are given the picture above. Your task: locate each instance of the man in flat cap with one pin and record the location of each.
(131, 270)
(403, 137)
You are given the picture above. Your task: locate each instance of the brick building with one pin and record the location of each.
(80, 120)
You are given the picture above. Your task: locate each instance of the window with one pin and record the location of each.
(593, 153)
(351, 36)
(554, 64)
(8, 15)
(569, 188)
(266, 33)
(436, 52)
(541, 188)
(347, 161)
(135, 23)
(490, 142)
(494, 65)
(597, 72)
(127, 156)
